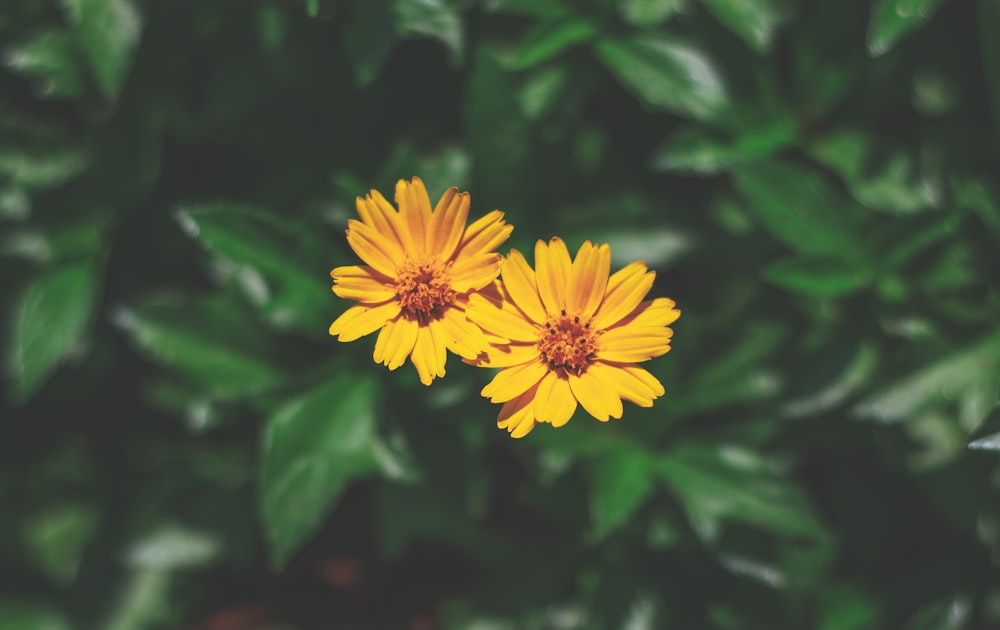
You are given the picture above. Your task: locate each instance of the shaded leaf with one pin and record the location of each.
(50, 58)
(797, 207)
(987, 436)
(948, 614)
(948, 376)
(551, 39)
(989, 42)
(58, 535)
(368, 39)
(34, 169)
(697, 151)
(622, 480)
(209, 340)
(279, 263)
(666, 74)
(48, 324)
(432, 18)
(720, 484)
(818, 277)
(892, 19)
(755, 21)
(314, 447)
(23, 615)
(109, 32)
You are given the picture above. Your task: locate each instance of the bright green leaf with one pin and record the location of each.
(49, 323)
(949, 376)
(170, 548)
(432, 18)
(621, 482)
(698, 151)
(314, 447)
(892, 19)
(40, 170)
(666, 74)
(755, 21)
(797, 207)
(551, 39)
(109, 31)
(648, 13)
(210, 341)
(816, 277)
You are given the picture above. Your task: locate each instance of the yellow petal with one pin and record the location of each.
(470, 273)
(415, 211)
(630, 344)
(517, 415)
(429, 355)
(596, 398)
(363, 319)
(519, 281)
(656, 312)
(395, 342)
(506, 322)
(631, 382)
(626, 288)
(362, 283)
(373, 248)
(552, 266)
(379, 214)
(461, 335)
(484, 235)
(448, 222)
(554, 401)
(588, 279)
(511, 382)
(507, 355)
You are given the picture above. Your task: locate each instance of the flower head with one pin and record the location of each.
(575, 336)
(421, 267)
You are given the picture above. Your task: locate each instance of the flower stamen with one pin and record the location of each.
(567, 344)
(423, 287)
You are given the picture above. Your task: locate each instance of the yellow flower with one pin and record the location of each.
(575, 335)
(422, 266)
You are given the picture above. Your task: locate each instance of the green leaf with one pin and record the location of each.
(210, 340)
(648, 13)
(989, 42)
(797, 207)
(547, 10)
(432, 18)
(49, 322)
(312, 8)
(947, 377)
(22, 615)
(717, 485)
(987, 436)
(39, 170)
(892, 19)
(50, 57)
(550, 39)
(699, 151)
(279, 263)
(368, 39)
(816, 277)
(755, 21)
(171, 547)
(58, 535)
(109, 31)
(952, 613)
(314, 447)
(666, 74)
(542, 89)
(622, 480)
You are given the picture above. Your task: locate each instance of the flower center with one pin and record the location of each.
(423, 287)
(568, 343)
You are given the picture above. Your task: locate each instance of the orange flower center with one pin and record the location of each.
(568, 343)
(423, 287)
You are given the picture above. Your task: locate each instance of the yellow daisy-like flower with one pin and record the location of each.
(421, 267)
(575, 335)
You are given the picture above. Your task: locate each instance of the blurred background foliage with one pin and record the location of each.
(182, 445)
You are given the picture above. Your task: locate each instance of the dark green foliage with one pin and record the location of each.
(182, 445)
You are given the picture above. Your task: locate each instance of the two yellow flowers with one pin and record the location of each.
(566, 333)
